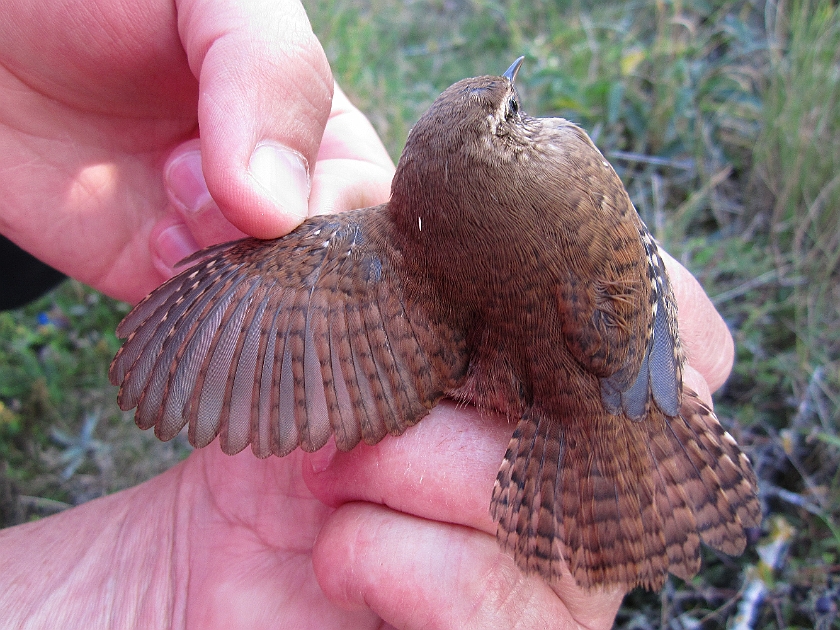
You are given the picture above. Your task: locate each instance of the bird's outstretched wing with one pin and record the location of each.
(282, 343)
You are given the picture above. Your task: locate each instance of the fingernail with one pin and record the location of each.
(186, 182)
(284, 175)
(321, 459)
(174, 244)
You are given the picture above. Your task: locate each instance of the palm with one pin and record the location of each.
(107, 197)
(252, 530)
(94, 152)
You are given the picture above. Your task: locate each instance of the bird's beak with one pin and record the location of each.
(511, 72)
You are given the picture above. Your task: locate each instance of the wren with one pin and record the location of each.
(509, 270)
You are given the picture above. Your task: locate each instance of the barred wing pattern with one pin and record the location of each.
(283, 346)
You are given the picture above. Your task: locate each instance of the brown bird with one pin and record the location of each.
(509, 270)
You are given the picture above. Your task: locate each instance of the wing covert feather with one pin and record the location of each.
(282, 344)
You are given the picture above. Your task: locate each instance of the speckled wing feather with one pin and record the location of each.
(617, 311)
(281, 346)
(623, 503)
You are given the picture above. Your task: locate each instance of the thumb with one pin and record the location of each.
(707, 342)
(265, 90)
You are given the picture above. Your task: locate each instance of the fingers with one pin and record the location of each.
(353, 170)
(705, 338)
(413, 539)
(197, 221)
(265, 94)
(349, 135)
(442, 469)
(415, 573)
(694, 380)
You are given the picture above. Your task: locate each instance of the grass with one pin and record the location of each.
(63, 440)
(722, 118)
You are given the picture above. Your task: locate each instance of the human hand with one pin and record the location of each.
(237, 541)
(97, 95)
(412, 522)
(392, 535)
(353, 170)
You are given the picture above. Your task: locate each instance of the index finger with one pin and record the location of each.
(705, 338)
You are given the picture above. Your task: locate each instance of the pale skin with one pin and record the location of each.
(104, 177)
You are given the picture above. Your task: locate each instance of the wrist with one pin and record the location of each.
(110, 562)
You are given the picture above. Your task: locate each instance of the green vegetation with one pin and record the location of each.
(63, 440)
(723, 119)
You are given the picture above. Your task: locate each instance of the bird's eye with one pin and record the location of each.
(513, 107)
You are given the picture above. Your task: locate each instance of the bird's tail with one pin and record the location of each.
(622, 503)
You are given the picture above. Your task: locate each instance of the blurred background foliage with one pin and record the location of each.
(722, 118)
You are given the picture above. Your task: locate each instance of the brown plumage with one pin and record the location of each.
(510, 270)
